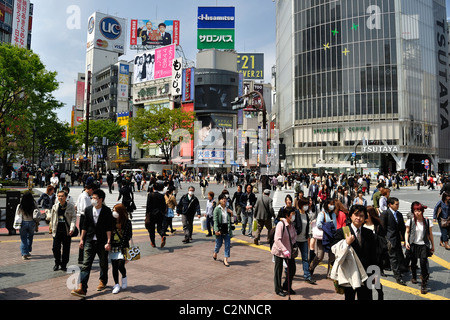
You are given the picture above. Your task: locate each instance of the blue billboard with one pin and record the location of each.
(215, 18)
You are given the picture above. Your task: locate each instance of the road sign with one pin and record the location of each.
(353, 154)
(427, 167)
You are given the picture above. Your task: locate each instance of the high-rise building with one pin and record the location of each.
(16, 17)
(364, 80)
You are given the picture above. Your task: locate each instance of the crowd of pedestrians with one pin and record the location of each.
(327, 215)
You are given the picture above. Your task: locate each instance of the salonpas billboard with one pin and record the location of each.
(215, 28)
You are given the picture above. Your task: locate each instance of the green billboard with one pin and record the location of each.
(215, 39)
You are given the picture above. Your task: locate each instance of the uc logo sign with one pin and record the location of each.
(110, 28)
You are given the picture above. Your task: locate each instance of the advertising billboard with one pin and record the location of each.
(215, 39)
(19, 23)
(150, 33)
(188, 85)
(214, 139)
(215, 28)
(153, 64)
(124, 74)
(216, 17)
(251, 65)
(106, 32)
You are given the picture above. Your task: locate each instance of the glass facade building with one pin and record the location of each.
(354, 76)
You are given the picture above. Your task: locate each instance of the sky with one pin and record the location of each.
(59, 33)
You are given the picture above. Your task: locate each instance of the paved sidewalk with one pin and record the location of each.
(182, 272)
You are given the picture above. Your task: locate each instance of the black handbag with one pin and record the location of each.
(75, 232)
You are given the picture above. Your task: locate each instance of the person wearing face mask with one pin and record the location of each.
(95, 240)
(120, 240)
(62, 225)
(302, 226)
(283, 248)
(326, 221)
(188, 207)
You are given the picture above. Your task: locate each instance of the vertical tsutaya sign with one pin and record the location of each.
(215, 28)
(441, 28)
(19, 24)
(177, 77)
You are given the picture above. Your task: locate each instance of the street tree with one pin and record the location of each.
(163, 127)
(26, 89)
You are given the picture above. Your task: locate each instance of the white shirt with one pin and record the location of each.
(95, 214)
(224, 214)
(83, 201)
(419, 231)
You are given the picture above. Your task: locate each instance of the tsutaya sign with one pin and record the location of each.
(379, 149)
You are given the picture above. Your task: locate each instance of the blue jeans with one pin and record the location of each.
(26, 237)
(219, 240)
(444, 232)
(304, 250)
(247, 217)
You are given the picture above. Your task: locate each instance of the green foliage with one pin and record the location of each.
(157, 125)
(99, 128)
(26, 89)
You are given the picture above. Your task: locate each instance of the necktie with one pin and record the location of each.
(395, 216)
(358, 235)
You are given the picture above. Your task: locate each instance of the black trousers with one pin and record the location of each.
(61, 240)
(155, 221)
(362, 292)
(278, 273)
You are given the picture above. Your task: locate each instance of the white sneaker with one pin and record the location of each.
(116, 289)
(124, 283)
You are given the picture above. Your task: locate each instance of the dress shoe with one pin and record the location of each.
(256, 241)
(79, 292)
(56, 267)
(281, 294)
(311, 281)
(101, 286)
(63, 268)
(401, 282)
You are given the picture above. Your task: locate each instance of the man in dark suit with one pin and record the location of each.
(166, 38)
(95, 240)
(148, 35)
(393, 223)
(363, 243)
(313, 190)
(155, 212)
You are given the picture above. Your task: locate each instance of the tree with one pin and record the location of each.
(158, 124)
(100, 128)
(26, 88)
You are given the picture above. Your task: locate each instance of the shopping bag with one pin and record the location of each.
(17, 221)
(132, 253)
(203, 223)
(255, 225)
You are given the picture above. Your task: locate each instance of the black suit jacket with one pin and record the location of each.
(104, 224)
(166, 39)
(366, 252)
(394, 231)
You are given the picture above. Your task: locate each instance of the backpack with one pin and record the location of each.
(297, 188)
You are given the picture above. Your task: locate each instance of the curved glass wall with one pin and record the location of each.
(346, 60)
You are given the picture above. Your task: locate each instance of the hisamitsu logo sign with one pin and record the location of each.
(215, 18)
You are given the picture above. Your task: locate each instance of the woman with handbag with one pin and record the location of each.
(441, 215)
(419, 241)
(285, 248)
(63, 219)
(171, 202)
(27, 214)
(326, 216)
(120, 241)
(223, 226)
